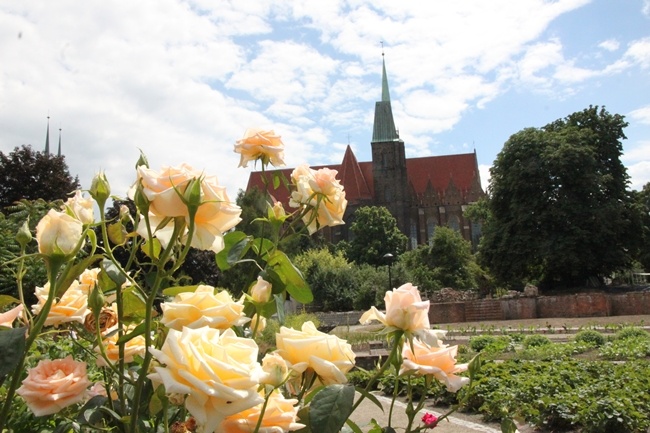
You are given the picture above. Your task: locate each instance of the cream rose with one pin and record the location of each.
(80, 207)
(439, 362)
(203, 308)
(279, 416)
(261, 291)
(275, 369)
(258, 324)
(219, 372)
(405, 310)
(71, 307)
(53, 385)
(259, 144)
(7, 318)
(216, 214)
(132, 348)
(322, 192)
(327, 355)
(58, 234)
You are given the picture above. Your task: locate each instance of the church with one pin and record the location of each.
(421, 193)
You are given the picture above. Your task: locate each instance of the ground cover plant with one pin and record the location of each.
(554, 386)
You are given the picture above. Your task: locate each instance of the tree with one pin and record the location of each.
(448, 262)
(374, 234)
(642, 201)
(560, 210)
(27, 174)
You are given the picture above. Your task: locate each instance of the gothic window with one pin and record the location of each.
(414, 235)
(454, 223)
(431, 227)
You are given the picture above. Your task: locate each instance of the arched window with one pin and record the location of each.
(431, 228)
(414, 235)
(454, 223)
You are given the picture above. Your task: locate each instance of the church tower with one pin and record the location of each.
(389, 160)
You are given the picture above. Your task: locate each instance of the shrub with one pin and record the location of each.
(480, 342)
(536, 340)
(591, 337)
(632, 332)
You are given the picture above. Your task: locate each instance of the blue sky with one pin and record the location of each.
(182, 80)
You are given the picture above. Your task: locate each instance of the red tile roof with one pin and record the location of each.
(357, 177)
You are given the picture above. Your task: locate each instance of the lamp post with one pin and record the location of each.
(389, 260)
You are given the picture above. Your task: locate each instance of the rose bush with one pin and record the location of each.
(164, 354)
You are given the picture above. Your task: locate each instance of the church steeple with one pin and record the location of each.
(59, 152)
(384, 127)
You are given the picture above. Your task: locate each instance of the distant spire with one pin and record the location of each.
(47, 137)
(59, 152)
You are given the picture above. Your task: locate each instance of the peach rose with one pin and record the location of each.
(321, 191)
(7, 318)
(71, 307)
(132, 348)
(53, 385)
(259, 144)
(216, 214)
(203, 308)
(439, 362)
(261, 291)
(405, 310)
(80, 208)
(279, 416)
(328, 355)
(58, 234)
(218, 371)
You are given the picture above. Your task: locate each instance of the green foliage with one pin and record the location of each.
(491, 343)
(632, 332)
(536, 340)
(642, 204)
(374, 234)
(447, 262)
(591, 337)
(339, 285)
(567, 395)
(10, 222)
(559, 205)
(625, 349)
(28, 174)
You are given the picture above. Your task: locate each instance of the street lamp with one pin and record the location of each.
(389, 260)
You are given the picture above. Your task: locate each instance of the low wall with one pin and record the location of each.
(578, 305)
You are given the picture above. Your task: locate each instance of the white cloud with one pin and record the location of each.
(641, 115)
(609, 45)
(645, 9)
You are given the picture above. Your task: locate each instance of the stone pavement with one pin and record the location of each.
(454, 424)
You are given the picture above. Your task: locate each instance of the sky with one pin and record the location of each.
(181, 81)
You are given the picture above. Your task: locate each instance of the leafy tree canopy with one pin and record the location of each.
(560, 209)
(374, 234)
(28, 174)
(448, 262)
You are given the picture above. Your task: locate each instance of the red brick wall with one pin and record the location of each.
(579, 305)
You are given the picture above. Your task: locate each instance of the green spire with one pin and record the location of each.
(384, 129)
(385, 95)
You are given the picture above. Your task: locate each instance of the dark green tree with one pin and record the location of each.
(28, 174)
(560, 209)
(374, 234)
(447, 262)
